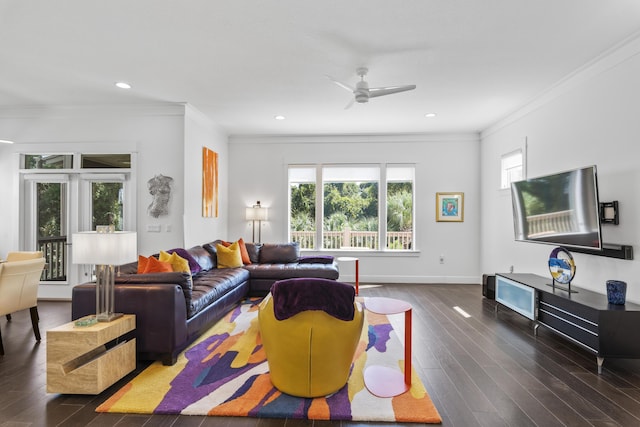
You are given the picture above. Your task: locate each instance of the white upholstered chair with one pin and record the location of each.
(19, 280)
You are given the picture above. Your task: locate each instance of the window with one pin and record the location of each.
(105, 161)
(512, 168)
(302, 205)
(362, 205)
(400, 207)
(68, 192)
(47, 161)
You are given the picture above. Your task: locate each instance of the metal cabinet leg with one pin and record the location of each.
(600, 361)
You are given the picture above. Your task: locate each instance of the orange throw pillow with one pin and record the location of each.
(153, 265)
(142, 263)
(243, 252)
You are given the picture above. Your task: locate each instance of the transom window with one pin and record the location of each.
(359, 206)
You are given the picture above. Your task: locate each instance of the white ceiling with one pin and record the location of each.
(242, 62)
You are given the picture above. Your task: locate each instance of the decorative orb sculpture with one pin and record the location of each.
(561, 265)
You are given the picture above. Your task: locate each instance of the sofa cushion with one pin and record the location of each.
(275, 253)
(253, 249)
(211, 286)
(203, 257)
(183, 253)
(292, 270)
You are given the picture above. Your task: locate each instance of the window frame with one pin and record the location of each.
(382, 205)
(505, 177)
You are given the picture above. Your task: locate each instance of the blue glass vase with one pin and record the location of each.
(616, 292)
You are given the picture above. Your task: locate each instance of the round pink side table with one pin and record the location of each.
(383, 381)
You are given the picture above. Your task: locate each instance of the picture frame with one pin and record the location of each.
(209, 183)
(450, 207)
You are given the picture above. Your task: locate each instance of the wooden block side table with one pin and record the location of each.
(89, 359)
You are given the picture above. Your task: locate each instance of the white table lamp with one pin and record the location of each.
(105, 250)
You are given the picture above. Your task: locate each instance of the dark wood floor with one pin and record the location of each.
(487, 370)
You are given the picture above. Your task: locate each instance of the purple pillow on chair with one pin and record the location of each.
(292, 296)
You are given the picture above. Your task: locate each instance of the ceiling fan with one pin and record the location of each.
(363, 92)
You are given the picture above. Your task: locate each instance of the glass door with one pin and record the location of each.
(66, 193)
(47, 224)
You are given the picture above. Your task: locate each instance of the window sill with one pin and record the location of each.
(362, 253)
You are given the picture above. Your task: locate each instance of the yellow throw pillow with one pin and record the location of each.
(229, 257)
(177, 262)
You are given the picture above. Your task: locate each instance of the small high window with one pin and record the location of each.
(511, 168)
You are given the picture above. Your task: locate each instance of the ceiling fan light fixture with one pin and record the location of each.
(362, 92)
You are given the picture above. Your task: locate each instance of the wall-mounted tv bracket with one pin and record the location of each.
(609, 212)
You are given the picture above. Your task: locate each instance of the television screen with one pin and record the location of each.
(560, 209)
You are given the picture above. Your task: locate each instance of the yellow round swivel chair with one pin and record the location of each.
(308, 348)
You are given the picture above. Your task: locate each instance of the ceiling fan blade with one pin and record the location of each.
(350, 104)
(342, 85)
(380, 91)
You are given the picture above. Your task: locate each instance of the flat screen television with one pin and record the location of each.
(562, 209)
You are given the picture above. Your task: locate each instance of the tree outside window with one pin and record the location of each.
(352, 202)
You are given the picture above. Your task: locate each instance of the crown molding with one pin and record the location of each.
(612, 57)
(65, 111)
(355, 138)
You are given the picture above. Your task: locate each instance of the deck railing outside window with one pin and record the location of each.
(349, 239)
(54, 250)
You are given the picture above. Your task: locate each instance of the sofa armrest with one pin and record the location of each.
(160, 309)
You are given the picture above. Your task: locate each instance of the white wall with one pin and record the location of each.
(443, 163)
(168, 140)
(201, 132)
(592, 118)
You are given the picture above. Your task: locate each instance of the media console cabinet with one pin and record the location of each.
(581, 316)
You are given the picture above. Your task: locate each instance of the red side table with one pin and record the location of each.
(383, 381)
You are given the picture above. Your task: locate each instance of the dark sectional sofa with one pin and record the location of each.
(173, 309)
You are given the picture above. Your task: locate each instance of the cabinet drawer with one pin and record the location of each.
(578, 329)
(575, 309)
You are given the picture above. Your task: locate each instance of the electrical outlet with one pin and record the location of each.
(441, 259)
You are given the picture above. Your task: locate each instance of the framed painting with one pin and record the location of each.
(449, 207)
(209, 183)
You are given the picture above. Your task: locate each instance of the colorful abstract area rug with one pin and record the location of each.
(225, 373)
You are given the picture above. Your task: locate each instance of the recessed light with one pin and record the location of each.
(123, 85)
(5, 141)
(279, 117)
(430, 115)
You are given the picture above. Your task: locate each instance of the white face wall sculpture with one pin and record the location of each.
(160, 188)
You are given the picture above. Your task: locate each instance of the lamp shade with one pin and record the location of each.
(257, 213)
(90, 247)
